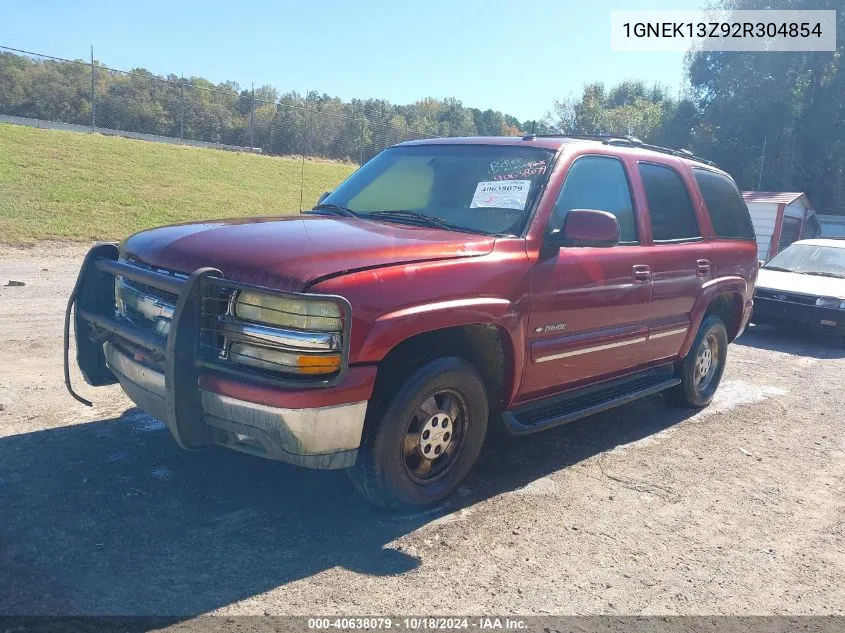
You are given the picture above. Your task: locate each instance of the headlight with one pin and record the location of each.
(830, 302)
(321, 316)
(281, 334)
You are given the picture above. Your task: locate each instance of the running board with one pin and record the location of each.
(580, 403)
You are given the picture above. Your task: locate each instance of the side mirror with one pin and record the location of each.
(760, 263)
(586, 227)
(323, 196)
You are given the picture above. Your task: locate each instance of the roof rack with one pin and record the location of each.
(634, 142)
(589, 137)
(630, 141)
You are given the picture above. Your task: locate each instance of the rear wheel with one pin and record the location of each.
(421, 447)
(702, 368)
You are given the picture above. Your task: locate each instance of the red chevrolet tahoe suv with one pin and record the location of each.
(446, 286)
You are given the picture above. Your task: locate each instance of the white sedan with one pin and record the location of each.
(804, 285)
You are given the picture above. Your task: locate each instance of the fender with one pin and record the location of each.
(732, 284)
(392, 304)
(393, 328)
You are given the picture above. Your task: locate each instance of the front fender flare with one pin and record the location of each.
(393, 328)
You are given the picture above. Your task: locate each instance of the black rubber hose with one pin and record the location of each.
(68, 310)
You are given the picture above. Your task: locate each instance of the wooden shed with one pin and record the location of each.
(780, 218)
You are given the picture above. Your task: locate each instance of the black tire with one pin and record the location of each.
(384, 471)
(697, 390)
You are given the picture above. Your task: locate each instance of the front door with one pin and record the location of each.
(589, 306)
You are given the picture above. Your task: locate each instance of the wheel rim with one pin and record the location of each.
(434, 436)
(706, 362)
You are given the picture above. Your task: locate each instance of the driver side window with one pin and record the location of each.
(600, 183)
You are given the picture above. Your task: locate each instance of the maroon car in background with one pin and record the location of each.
(447, 285)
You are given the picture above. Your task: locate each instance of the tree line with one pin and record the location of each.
(773, 120)
(194, 108)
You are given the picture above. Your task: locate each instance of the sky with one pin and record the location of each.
(508, 56)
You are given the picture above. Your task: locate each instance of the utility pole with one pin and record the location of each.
(762, 160)
(303, 150)
(93, 91)
(252, 120)
(361, 143)
(182, 110)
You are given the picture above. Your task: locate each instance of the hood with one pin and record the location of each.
(289, 253)
(801, 284)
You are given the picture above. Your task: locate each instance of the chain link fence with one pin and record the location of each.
(49, 91)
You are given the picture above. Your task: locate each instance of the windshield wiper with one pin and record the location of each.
(419, 218)
(336, 209)
(779, 269)
(821, 273)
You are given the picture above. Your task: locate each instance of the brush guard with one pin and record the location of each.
(91, 306)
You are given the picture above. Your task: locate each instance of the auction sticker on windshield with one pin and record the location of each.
(504, 194)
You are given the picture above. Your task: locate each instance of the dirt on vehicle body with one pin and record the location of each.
(644, 509)
(444, 287)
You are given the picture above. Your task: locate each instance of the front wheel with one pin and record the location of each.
(420, 448)
(702, 368)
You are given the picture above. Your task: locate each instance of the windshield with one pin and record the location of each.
(478, 188)
(811, 260)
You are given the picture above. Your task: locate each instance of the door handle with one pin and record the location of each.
(641, 273)
(702, 267)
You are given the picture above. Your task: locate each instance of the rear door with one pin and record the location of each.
(679, 256)
(734, 246)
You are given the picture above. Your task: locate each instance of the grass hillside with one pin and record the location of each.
(67, 185)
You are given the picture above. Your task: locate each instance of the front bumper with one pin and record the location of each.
(774, 312)
(321, 437)
(204, 399)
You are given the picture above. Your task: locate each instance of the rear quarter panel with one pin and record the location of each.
(734, 273)
(734, 266)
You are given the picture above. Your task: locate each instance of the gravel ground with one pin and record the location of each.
(738, 509)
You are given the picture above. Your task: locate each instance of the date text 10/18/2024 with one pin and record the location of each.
(417, 623)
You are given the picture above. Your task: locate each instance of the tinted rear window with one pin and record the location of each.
(727, 209)
(669, 205)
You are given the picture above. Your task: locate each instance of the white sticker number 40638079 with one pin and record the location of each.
(504, 194)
